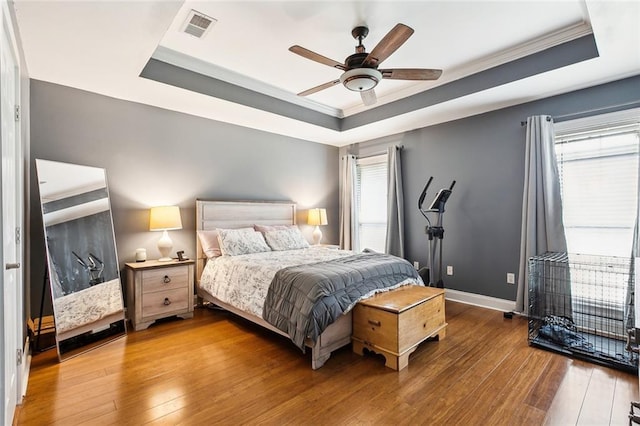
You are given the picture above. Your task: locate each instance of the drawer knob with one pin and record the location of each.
(167, 302)
(166, 280)
(376, 323)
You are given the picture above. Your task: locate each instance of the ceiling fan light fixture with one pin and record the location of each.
(361, 79)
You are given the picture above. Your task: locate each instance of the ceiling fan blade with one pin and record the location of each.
(369, 97)
(319, 88)
(389, 44)
(306, 53)
(411, 74)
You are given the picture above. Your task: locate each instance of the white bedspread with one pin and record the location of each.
(87, 306)
(243, 281)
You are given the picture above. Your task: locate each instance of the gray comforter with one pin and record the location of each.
(304, 300)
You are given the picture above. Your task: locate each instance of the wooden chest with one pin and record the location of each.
(396, 322)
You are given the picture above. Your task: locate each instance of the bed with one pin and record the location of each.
(247, 296)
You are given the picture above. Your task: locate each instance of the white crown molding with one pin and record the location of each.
(536, 45)
(181, 60)
(522, 50)
(480, 300)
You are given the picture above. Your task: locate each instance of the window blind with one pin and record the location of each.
(598, 168)
(599, 183)
(371, 199)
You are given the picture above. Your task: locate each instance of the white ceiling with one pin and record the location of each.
(102, 46)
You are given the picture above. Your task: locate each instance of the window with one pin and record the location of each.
(371, 203)
(599, 185)
(598, 169)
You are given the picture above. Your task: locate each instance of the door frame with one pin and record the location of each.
(16, 328)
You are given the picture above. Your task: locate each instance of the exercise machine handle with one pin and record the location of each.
(424, 193)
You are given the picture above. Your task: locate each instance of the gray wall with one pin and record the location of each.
(485, 155)
(155, 157)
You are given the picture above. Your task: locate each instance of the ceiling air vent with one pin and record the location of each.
(198, 24)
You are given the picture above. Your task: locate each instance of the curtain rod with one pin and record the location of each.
(580, 114)
(375, 154)
(524, 123)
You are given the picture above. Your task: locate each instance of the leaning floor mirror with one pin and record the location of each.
(83, 271)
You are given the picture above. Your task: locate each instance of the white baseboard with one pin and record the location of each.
(480, 300)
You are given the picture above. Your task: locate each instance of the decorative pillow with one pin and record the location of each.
(234, 242)
(286, 239)
(209, 241)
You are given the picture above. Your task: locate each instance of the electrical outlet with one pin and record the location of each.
(511, 278)
(449, 270)
(416, 264)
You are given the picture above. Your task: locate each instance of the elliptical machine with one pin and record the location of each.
(435, 232)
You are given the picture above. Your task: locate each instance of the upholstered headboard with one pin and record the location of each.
(239, 214)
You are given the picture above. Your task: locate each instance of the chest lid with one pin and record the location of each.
(402, 298)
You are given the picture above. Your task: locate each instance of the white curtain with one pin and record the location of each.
(542, 229)
(348, 220)
(394, 243)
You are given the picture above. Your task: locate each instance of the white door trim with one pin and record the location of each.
(11, 305)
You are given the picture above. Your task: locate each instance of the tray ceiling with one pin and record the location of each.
(493, 54)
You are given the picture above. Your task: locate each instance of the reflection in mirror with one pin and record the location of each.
(81, 255)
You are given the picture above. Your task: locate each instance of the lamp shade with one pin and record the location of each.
(317, 217)
(361, 79)
(164, 218)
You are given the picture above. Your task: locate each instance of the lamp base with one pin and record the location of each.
(164, 246)
(317, 236)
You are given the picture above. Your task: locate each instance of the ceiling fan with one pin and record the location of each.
(361, 73)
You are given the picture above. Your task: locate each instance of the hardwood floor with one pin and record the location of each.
(219, 369)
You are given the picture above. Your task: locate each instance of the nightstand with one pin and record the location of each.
(158, 290)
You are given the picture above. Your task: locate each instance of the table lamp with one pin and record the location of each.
(164, 219)
(317, 217)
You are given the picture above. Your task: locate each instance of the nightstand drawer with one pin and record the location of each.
(164, 279)
(165, 302)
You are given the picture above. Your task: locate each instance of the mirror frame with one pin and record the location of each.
(74, 203)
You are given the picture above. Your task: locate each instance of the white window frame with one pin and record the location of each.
(585, 309)
(365, 161)
(598, 124)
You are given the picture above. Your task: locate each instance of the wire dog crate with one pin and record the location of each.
(582, 306)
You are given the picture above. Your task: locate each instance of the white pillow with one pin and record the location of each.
(234, 242)
(286, 239)
(209, 241)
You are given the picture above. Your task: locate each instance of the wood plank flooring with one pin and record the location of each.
(219, 369)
